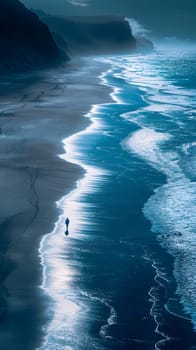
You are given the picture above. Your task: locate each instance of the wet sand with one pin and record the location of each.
(36, 114)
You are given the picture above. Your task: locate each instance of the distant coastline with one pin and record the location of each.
(34, 40)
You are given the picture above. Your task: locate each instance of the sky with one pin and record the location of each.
(165, 18)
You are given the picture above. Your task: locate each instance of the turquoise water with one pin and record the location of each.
(125, 276)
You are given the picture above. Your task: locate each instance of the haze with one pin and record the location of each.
(173, 18)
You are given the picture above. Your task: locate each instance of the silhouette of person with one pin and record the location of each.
(67, 225)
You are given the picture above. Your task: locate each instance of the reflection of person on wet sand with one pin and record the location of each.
(67, 225)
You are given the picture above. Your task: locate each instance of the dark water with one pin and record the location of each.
(125, 276)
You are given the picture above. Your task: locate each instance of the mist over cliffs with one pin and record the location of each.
(91, 34)
(34, 40)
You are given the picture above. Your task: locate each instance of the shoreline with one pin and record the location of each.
(55, 243)
(155, 298)
(36, 178)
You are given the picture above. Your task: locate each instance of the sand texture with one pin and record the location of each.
(36, 114)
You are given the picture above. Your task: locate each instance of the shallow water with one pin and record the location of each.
(124, 278)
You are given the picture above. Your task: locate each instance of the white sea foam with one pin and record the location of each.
(171, 210)
(187, 146)
(145, 143)
(112, 317)
(159, 279)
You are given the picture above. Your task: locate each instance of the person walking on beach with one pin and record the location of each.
(67, 226)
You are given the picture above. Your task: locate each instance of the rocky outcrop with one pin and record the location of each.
(25, 42)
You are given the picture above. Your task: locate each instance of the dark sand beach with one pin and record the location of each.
(36, 114)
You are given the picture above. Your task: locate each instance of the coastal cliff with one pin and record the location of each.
(25, 42)
(34, 40)
(91, 35)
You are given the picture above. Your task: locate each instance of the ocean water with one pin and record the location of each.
(124, 278)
